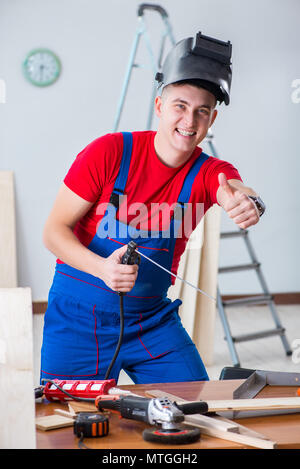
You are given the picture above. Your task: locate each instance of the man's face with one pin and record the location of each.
(185, 114)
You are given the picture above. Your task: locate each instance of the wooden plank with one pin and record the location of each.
(65, 413)
(219, 405)
(199, 265)
(17, 404)
(270, 403)
(51, 422)
(242, 436)
(8, 252)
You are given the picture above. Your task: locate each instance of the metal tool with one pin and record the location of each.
(177, 276)
(160, 412)
(258, 379)
(255, 381)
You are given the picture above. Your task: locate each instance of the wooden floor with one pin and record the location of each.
(264, 354)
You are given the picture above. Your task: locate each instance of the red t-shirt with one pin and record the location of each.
(95, 169)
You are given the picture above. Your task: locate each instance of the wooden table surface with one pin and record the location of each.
(127, 434)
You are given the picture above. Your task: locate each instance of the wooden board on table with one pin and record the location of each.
(52, 422)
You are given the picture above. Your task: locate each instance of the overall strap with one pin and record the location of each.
(186, 189)
(121, 180)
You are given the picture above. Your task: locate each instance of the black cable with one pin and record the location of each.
(121, 295)
(82, 445)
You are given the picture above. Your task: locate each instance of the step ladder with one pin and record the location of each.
(155, 60)
(264, 299)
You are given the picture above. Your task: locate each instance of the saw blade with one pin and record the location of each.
(177, 276)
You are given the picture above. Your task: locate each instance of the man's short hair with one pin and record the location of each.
(203, 84)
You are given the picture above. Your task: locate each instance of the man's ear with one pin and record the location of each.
(213, 118)
(158, 105)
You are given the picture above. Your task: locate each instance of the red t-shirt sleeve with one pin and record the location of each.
(213, 167)
(94, 166)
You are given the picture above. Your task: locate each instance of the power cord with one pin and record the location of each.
(121, 295)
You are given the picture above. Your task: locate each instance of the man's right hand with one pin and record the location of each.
(117, 276)
(60, 239)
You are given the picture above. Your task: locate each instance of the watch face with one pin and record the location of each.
(41, 67)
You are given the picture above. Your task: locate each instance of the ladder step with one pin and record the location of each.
(258, 299)
(259, 335)
(234, 234)
(236, 268)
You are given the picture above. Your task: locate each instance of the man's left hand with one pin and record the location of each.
(236, 204)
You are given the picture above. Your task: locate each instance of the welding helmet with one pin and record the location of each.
(204, 59)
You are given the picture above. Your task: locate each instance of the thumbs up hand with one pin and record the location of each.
(236, 203)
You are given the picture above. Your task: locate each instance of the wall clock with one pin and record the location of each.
(41, 67)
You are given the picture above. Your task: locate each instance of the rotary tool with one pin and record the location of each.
(161, 412)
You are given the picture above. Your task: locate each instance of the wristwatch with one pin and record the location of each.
(259, 204)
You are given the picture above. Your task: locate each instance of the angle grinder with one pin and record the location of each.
(161, 412)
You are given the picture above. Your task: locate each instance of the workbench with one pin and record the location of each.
(127, 434)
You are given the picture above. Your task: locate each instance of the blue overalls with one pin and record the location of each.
(82, 322)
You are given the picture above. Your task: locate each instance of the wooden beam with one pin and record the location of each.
(8, 256)
(270, 403)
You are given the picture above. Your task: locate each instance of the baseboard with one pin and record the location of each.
(39, 307)
(290, 298)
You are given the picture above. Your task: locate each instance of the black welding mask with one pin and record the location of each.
(204, 59)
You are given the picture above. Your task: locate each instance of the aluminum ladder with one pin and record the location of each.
(155, 62)
(265, 298)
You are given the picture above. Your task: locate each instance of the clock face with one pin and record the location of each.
(41, 67)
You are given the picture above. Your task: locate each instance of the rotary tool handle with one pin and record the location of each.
(131, 256)
(135, 407)
(130, 407)
(103, 403)
(190, 408)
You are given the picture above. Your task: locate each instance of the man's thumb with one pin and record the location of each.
(225, 184)
(119, 253)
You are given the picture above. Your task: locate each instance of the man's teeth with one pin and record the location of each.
(185, 133)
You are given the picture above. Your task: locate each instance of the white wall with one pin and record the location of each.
(42, 130)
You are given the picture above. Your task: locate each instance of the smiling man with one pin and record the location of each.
(144, 169)
(186, 112)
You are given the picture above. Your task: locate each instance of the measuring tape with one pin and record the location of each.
(90, 424)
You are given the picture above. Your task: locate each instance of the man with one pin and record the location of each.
(118, 174)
